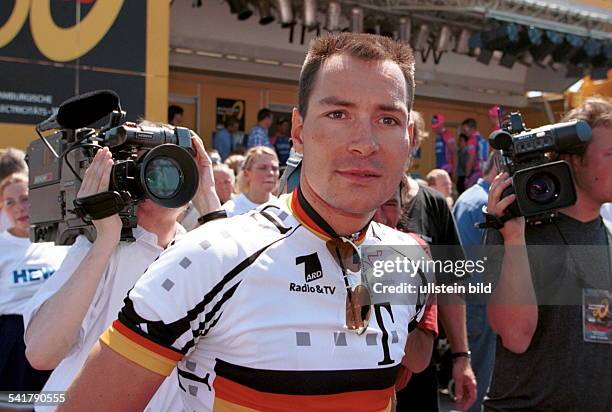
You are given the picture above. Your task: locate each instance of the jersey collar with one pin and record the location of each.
(307, 216)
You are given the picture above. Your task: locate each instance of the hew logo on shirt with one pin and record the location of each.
(312, 266)
(25, 276)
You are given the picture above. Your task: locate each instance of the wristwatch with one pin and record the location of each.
(456, 355)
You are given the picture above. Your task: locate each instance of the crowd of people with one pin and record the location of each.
(251, 296)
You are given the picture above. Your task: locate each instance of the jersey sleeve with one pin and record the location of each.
(178, 300)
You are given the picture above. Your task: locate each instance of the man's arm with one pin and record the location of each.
(514, 322)
(54, 328)
(110, 382)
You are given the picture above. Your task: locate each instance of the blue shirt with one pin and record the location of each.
(258, 136)
(222, 143)
(283, 149)
(468, 211)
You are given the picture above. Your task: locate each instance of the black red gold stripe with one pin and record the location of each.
(320, 382)
(140, 350)
(233, 396)
(309, 217)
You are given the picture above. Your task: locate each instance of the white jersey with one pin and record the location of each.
(127, 263)
(240, 204)
(251, 311)
(24, 267)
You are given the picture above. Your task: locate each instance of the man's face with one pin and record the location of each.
(283, 128)
(177, 120)
(232, 127)
(267, 122)
(444, 185)
(150, 213)
(224, 184)
(592, 173)
(356, 135)
(390, 212)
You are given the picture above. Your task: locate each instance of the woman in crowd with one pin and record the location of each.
(256, 182)
(24, 266)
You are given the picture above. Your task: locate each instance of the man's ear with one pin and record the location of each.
(297, 126)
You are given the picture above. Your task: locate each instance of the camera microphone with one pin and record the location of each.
(82, 110)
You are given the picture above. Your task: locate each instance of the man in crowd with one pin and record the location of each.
(224, 182)
(468, 212)
(440, 181)
(478, 151)
(216, 303)
(282, 142)
(446, 152)
(11, 161)
(223, 139)
(175, 115)
(553, 351)
(258, 136)
(69, 312)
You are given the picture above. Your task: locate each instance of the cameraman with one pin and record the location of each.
(543, 361)
(66, 316)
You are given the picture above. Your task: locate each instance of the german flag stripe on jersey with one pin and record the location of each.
(140, 350)
(239, 386)
(306, 215)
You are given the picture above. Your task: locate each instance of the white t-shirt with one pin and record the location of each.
(24, 267)
(240, 204)
(127, 263)
(251, 311)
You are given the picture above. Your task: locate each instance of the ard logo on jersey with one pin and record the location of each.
(312, 266)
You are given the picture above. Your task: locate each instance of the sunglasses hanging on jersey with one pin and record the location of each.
(358, 302)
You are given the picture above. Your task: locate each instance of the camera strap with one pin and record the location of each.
(492, 221)
(99, 206)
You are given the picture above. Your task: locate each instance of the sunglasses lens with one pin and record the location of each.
(358, 303)
(358, 309)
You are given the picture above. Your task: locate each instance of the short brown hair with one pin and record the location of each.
(369, 47)
(596, 111)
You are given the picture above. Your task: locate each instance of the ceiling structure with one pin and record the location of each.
(211, 38)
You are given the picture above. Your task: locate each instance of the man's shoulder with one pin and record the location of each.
(389, 236)
(249, 231)
(474, 196)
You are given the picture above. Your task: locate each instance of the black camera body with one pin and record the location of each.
(150, 162)
(541, 183)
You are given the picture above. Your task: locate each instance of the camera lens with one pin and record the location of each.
(543, 188)
(163, 177)
(168, 175)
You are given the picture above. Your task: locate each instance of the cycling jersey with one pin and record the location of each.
(251, 310)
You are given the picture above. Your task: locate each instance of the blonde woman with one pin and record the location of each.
(256, 182)
(24, 267)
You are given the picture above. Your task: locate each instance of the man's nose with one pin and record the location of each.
(363, 141)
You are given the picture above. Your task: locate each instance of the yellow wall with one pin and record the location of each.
(156, 85)
(257, 94)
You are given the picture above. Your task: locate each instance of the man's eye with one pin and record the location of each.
(336, 115)
(388, 121)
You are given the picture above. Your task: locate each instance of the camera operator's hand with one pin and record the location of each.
(96, 180)
(205, 199)
(514, 229)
